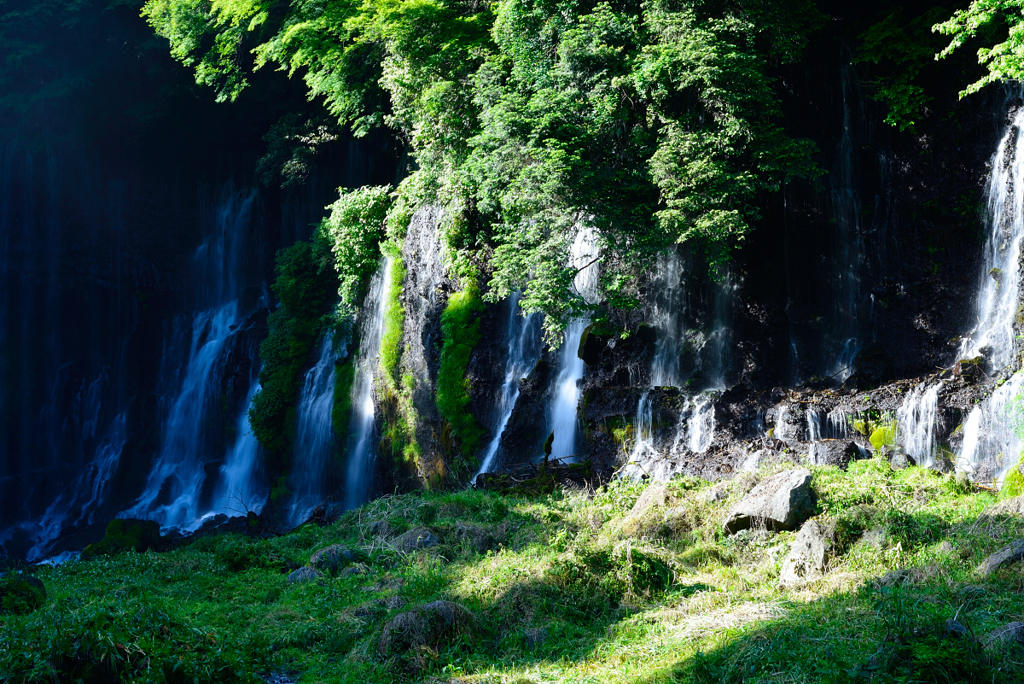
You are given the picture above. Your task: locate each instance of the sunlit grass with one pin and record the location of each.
(563, 594)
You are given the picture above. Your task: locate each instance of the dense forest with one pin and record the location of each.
(511, 341)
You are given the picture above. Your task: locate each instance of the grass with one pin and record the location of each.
(570, 587)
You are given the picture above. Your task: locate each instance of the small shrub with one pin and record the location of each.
(125, 535)
(21, 594)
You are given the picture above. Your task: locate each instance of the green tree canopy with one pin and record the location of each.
(654, 121)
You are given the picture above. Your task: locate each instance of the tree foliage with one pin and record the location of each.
(653, 121)
(1001, 25)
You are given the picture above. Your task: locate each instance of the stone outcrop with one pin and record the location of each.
(809, 556)
(780, 502)
(332, 558)
(1005, 556)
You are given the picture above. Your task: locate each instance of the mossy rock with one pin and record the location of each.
(883, 436)
(1013, 483)
(124, 535)
(21, 594)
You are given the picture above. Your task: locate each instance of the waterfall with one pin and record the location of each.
(697, 425)
(992, 443)
(843, 343)
(315, 440)
(79, 502)
(917, 418)
(522, 356)
(664, 316)
(566, 399)
(173, 488)
(362, 453)
(239, 490)
(1000, 281)
(823, 426)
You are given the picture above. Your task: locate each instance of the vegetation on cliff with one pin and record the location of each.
(305, 287)
(655, 121)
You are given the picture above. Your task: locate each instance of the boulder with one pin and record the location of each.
(416, 539)
(809, 555)
(780, 502)
(1012, 633)
(332, 558)
(304, 574)
(835, 452)
(900, 461)
(480, 539)
(412, 635)
(1005, 556)
(20, 593)
(645, 517)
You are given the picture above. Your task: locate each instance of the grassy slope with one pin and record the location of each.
(564, 597)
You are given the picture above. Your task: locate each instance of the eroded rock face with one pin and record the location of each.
(809, 556)
(780, 502)
(424, 296)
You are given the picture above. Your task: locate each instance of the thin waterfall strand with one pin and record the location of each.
(523, 354)
(314, 440)
(362, 455)
(564, 412)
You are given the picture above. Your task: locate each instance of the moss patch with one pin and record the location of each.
(460, 328)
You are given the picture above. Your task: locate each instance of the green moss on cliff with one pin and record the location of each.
(306, 286)
(460, 328)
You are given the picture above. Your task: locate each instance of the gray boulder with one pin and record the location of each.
(780, 502)
(835, 452)
(1005, 556)
(809, 555)
(416, 539)
(1012, 633)
(332, 558)
(304, 574)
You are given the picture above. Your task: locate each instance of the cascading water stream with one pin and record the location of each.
(917, 418)
(991, 445)
(523, 353)
(239, 490)
(823, 426)
(842, 340)
(566, 399)
(315, 441)
(173, 488)
(362, 452)
(664, 317)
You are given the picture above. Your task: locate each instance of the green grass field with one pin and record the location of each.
(565, 588)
